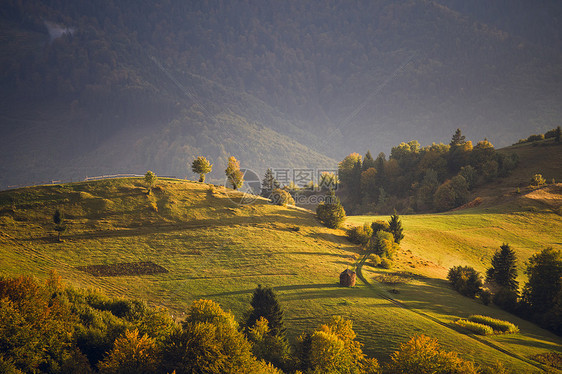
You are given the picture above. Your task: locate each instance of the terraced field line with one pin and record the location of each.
(29, 251)
(435, 320)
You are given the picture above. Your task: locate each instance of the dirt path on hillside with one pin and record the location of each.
(399, 304)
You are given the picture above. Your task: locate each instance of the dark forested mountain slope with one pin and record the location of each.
(125, 86)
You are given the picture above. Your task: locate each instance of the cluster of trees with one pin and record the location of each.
(541, 297)
(380, 239)
(234, 175)
(50, 328)
(438, 177)
(551, 134)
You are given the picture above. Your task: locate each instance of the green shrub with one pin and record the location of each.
(477, 328)
(534, 138)
(382, 243)
(380, 225)
(552, 359)
(386, 263)
(375, 259)
(537, 180)
(497, 324)
(465, 280)
(281, 197)
(331, 212)
(360, 234)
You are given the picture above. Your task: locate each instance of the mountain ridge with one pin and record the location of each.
(367, 72)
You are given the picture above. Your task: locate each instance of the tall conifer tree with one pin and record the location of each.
(503, 271)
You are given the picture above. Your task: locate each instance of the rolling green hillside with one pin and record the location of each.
(197, 241)
(541, 157)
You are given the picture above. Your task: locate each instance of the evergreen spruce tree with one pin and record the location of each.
(331, 212)
(395, 227)
(504, 268)
(201, 166)
(269, 183)
(368, 161)
(458, 139)
(265, 304)
(503, 271)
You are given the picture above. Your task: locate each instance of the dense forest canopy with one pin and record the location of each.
(126, 86)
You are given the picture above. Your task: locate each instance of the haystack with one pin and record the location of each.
(347, 278)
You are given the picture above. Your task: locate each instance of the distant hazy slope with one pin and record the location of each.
(380, 72)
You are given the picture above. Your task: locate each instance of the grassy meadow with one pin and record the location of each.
(216, 248)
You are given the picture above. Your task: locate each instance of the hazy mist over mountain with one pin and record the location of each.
(90, 88)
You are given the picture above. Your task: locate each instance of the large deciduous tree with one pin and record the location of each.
(234, 175)
(150, 179)
(545, 280)
(201, 166)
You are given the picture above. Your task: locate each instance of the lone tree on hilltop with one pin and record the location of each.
(233, 173)
(150, 179)
(265, 304)
(58, 220)
(201, 166)
(503, 271)
(395, 227)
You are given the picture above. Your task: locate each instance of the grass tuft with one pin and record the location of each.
(477, 328)
(498, 325)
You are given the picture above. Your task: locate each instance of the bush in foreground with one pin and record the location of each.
(422, 354)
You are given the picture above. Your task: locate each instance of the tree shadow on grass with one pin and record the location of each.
(164, 227)
(532, 343)
(280, 288)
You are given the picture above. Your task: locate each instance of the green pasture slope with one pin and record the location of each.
(434, 243)
(212, 247)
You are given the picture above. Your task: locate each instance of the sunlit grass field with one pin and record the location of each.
(216, 248)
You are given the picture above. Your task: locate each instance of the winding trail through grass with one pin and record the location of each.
(399, 304)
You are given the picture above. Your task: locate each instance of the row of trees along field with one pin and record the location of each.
(50, 328)
(541, 297)
(437, 177)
